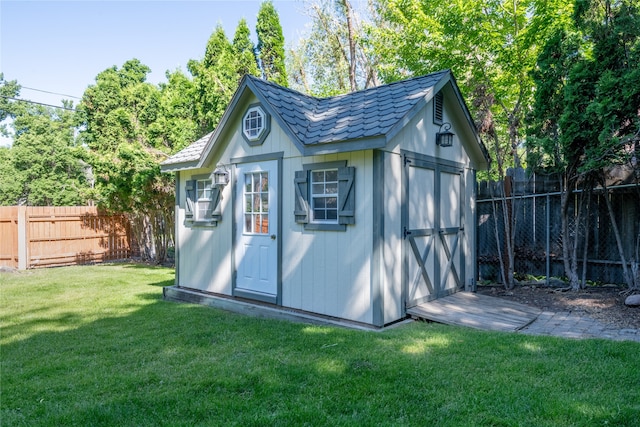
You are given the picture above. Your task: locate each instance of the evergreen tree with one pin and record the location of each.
(120, 114)
(271, 44)
(245, 55)
(215, 80)
(585, 116)
(177, 125)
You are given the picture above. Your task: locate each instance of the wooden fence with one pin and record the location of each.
(35, 237)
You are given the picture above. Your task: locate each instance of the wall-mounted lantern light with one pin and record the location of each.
(444, 137)
(220, 176)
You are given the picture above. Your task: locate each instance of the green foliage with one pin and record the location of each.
(322, 60)
(215, 80)
(44, 167)
(8, 89)
(10, 183)
(486, 43)
(96, 345)
(128, 137)
(585, 116)
(176, 126)
(247, 62)
(320, 63)
(556, 59)
(271, 44)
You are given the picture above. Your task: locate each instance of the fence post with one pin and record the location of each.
(548, 240)
(23, 253)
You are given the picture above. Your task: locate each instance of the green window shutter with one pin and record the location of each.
(346, 195)
(301, 210)
(190, 189)
(215, 209)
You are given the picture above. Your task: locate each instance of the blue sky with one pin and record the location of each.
(60, 46)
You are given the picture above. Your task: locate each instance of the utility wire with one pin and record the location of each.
(52, 93)
(38, 103)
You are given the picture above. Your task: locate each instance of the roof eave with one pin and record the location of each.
(246, 84)
(276, 115)
(346, 146)
(177, 167)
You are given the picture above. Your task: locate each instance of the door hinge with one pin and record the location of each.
(406, 160)
(405, 232)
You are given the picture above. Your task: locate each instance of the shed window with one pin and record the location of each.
(256, 203)
(255, 125)
(325, 196)
(202, 201)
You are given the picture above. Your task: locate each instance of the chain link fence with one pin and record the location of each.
(536, 217)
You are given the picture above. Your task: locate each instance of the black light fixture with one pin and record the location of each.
(220, 176)
(444, 137)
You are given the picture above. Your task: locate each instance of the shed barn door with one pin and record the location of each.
(432, 209)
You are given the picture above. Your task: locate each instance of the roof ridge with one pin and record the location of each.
(280, 87)
(323, 98)
(386, 85)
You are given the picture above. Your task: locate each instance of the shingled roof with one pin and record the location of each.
(363, 114)
(359, 120)
(191, 154)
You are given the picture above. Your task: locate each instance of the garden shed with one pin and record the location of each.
(354, 207)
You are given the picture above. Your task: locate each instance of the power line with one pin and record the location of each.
(52, 93)
(37, 103)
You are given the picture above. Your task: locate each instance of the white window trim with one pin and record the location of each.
(346, 191)
(260, 212)
(194, 216)
(203, 199)
(313, 196)
(261, 132)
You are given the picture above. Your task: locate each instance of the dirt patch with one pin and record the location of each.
(603, 303)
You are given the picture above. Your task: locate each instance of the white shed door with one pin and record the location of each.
(256, 253)
(432, 211)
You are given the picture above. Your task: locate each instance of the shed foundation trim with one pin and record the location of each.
(257, 309)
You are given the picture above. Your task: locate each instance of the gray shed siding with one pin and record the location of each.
(357, 274)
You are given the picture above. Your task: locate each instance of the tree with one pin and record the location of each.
(586, 118)
(176, 126)
(120, 114)
(215, 80)
(488, 46)
(331, 59)
(44, 166)
(247, 62)
(490, 49)
(8, 89)
(10, 187)
(271, 44)
(547, 149)
(606, 84)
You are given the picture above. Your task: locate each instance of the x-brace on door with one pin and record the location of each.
(433, 217)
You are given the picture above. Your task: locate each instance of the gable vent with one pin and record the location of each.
(438, 108)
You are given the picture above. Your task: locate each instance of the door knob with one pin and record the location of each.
(273, 237)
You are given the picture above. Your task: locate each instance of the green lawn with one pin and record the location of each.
(97, 346)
